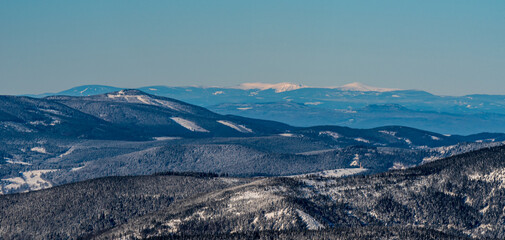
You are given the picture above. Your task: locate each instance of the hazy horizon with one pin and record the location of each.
(237, 86)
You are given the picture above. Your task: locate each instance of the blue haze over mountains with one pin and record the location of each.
(353, 105)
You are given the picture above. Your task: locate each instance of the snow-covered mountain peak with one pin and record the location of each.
(285, 86)
(360, 87)
(128, 92)
(278, 87)
(137, 96)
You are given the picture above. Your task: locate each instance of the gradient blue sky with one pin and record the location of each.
(445, 47)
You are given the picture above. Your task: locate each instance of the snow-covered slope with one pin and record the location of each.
(189, 125)
(134, 96)
(240, 128)
(28, 181)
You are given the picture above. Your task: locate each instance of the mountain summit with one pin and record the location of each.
(286, 86)
(278, 87)
(356, 86)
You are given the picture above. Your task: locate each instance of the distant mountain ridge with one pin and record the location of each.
(87, 90)
(354, 105)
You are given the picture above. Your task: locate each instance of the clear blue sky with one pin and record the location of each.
(445, 47)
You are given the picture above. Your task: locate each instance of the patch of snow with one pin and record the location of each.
(335, 173)
(395, 96)
(55, 122)
(171, 105)
(435, 138)
(407, 141)
(286, 134)
(36, 123)
(153, 89)
(33, 179)
(133, 98)
(315, 152)
(52, 111)
(445, 149)
(373, 214)
(397, 166)
(347, 110)
(172, 226)
(218, 92)
(17, 162)
(120, 94)
(334, 135)
(76, 168)
(38, 149)
(277, 214)
(311, 222)
(15, 183)
(313, 103)
(429, 159)
(496, 176)
(355, 162)
(249, 195)
(189, 124)
(485, 228)
(69, 151)
(240, 128)
(244, 108)
(484, 210)
(229, 180)
(86, 89)
(165, 138)
(144, 100)
(388, 132)
(362, 140)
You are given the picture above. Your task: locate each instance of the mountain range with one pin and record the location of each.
(63, 139)
(354, 105)
(128, 164)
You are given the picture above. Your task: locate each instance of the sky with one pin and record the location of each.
(441, 46)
